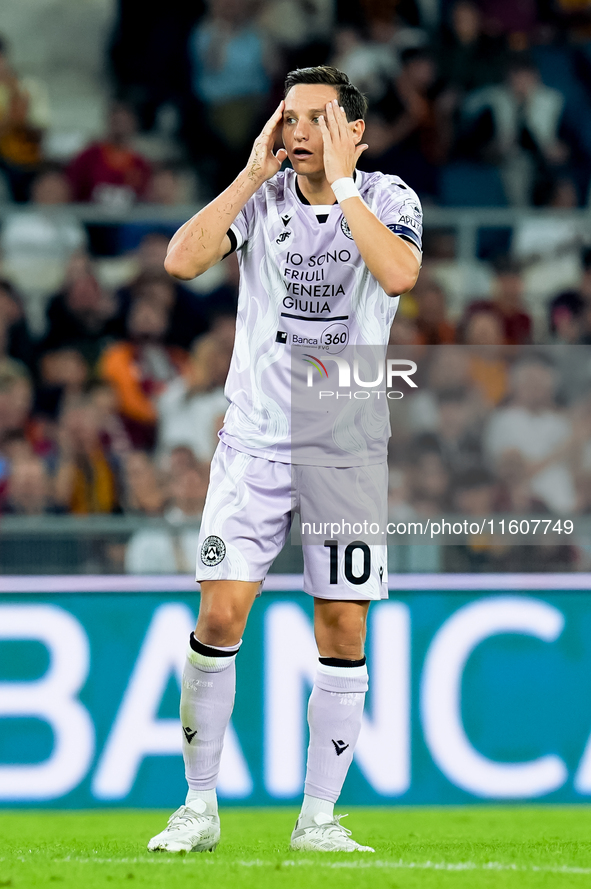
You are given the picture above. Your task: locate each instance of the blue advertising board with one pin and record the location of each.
(480, 690)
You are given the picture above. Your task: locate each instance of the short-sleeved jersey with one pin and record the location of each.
(303, 282)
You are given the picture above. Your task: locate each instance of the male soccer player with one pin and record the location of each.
(357, 236)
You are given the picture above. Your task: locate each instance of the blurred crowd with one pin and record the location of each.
(470, 101)
(116, 406)
(496, 431)
(112, 373)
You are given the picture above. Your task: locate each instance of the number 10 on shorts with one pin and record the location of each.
(356, 579)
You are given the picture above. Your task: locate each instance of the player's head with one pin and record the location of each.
(307, 92)
(350, 98)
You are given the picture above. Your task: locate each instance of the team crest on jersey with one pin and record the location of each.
(213, 551)
(345, 228)
(411, 206)
(283, 237)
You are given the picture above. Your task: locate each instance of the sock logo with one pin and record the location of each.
(213, 551)
(339, 746)
(189, 735)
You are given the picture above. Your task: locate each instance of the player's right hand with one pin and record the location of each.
(262, 163)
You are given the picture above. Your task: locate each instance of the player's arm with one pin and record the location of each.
(392, 261)
(203, 240)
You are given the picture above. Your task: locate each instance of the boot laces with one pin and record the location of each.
(335, 826)
(184, 817)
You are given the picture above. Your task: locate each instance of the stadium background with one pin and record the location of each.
(117, 121)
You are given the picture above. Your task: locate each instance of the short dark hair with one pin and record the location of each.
(351, 99)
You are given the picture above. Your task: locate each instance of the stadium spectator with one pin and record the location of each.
(191, 408)
(85, 476)
(371, 64)
(434, 328)
(15, 338)
(165, 187)
(456, 275)
(517, 125)
(488, 362)
(38, 240)
(549, 246)
(533, 431)
(28, 490)
(468, 58)
(482, 318)
(482, 325)
(229, 75)
(421, 130)
(187, 312)
(83, 316)
(64, 370)
(172, 550)
(222, 300)
(566, 318)
(474, 492)
(428, 477)
(449, 370)
(139, 368)
(404, 331)
(458, 429)
(517, 20)
(508, 299)
(143, 490)
(112, 432)
(110, 171)
(300, 32)
(583, 290)
(147, 52)
(475, 496)
(24, 115)
(16, 398)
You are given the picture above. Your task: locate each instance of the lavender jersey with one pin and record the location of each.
(306, 294)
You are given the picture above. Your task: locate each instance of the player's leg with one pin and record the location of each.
(207, 699)
(209, 682)
(335, 711)
(343, 575)
(245, 522)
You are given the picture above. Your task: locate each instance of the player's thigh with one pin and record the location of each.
(223, 611)
(343, 513)
(246, 518)
(340, 627)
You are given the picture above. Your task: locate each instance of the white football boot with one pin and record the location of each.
(189, 829)
(325, 834)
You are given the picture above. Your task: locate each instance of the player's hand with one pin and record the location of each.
(340, 151)
(262, 163)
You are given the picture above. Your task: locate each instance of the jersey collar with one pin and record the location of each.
(322, 208)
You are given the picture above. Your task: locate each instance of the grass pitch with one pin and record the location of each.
(445, 848)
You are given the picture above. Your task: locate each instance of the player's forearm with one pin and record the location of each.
(199, 243)
(390, 260)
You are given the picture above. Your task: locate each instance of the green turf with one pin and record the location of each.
(444, 848)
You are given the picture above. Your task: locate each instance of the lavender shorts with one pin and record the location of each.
(248, 515)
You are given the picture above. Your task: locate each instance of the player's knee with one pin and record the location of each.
(220, 623)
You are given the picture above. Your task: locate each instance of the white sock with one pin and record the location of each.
(312, 806)
(209, 797)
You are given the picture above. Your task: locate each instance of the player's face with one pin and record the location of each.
(302, 138)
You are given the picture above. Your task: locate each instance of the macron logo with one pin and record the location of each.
(189, 735)
(339, 746)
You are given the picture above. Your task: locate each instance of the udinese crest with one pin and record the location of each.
(213, 551)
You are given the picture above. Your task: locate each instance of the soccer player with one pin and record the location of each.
(357, 236)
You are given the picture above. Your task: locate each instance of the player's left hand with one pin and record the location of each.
(341, 153)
